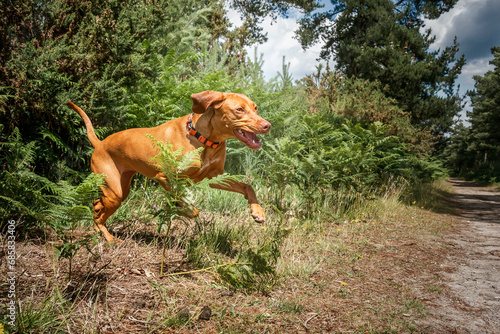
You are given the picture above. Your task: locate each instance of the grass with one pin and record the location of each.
(291, 307)
(370, 269)
(433, 198)
(37, 316)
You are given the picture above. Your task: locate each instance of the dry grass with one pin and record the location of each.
(374, 272)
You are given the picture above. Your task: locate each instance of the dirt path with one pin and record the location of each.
(473, 302)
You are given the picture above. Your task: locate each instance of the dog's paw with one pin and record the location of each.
(259, 219)
(257, 213)
(113, 240)
(190, 212)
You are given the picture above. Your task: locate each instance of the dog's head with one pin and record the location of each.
(233, 115)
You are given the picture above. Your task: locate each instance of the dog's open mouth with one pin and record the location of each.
(248, 138)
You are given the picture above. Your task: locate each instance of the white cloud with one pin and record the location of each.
(475, 67)
(234, 17)
(445, 24)
(281, 43)
(475, 24)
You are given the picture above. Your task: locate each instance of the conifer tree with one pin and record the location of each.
(484, 136)
(381, 40)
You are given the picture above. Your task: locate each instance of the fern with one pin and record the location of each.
(179, 200)
(24, 192)
(70, 209)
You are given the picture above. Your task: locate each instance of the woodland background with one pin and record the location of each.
(385, 116)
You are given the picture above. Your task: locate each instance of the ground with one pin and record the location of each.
(411, 268)
(473, 305)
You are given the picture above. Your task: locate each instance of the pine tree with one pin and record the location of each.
(380, 40)
(485, 119)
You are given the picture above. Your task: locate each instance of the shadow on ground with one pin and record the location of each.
(476, 203)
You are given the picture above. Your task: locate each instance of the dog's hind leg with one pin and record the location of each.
(113, 193)
(103, 208)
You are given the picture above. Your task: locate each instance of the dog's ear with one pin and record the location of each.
(202, 101)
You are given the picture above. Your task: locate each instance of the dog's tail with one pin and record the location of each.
(88, 124)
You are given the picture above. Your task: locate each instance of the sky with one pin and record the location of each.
(475, 23)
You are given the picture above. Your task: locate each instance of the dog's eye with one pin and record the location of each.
(240, 109)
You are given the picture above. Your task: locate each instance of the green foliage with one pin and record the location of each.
(363, 101)
(325, 152)
(317, 149)
(248, 269)
(216, 239)
(336, 139)
(70, 209)
(71, 203)
(253, 268)
(458, 160)
(95, 54)
(253, 12)
(474, 152)
(34, 200)
(39, 316)
(23, 192)
(179, 200)
(234, 260)
(173, 163)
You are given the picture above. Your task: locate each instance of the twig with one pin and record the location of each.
(207, 269)
(104, 266)
(311, 317)
(134, 319)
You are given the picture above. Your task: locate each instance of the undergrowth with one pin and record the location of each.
(229, 251)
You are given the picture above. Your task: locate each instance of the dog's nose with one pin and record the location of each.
(265, 126)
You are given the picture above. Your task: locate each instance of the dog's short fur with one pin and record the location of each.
(217, 116)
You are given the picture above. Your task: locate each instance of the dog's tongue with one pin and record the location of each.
(248, 138)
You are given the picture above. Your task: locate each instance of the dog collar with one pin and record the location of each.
(192, 131)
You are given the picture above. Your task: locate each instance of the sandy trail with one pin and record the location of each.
(473, 304)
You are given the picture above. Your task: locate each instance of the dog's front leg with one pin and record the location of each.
(247, 191)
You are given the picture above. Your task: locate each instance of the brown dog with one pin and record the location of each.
(217, 116)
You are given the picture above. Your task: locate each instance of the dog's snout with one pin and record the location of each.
(265, 126)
